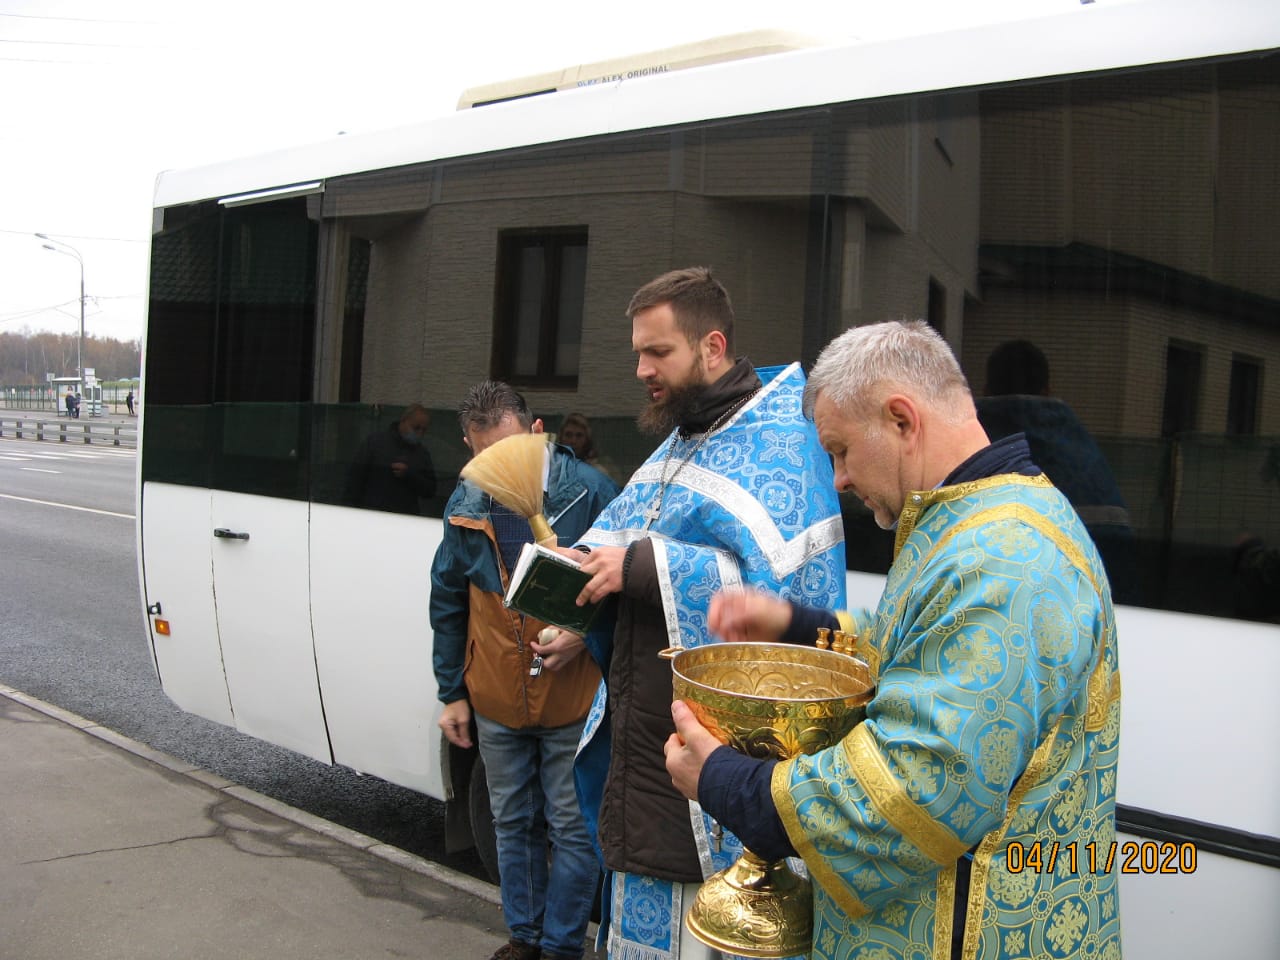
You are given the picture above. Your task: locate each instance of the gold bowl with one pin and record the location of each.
(765, 700)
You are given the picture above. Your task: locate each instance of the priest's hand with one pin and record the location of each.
(605, 566)
(687, 750)
(748, 616)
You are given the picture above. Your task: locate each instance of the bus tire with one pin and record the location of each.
(482, 830)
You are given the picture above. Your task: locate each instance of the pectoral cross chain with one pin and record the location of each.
(665, 480)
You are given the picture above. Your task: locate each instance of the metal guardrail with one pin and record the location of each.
(70, 431)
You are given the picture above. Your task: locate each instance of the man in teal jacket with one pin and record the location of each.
(528, 721)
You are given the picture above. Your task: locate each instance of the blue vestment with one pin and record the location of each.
(754, 506)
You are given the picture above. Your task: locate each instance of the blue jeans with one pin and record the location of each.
(547, 894)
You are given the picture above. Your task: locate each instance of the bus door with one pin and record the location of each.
(260, 586)
(176, 550)
(261, 384)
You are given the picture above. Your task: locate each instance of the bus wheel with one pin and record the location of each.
(482, 820)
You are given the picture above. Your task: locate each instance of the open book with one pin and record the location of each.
(545, 584)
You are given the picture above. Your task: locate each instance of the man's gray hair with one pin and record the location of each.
(905, 355)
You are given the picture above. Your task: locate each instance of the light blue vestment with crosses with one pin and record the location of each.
(994, 734)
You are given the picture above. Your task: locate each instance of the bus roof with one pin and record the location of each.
(1092, 38)
(737, 46)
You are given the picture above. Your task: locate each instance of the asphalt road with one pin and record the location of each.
(72, 633)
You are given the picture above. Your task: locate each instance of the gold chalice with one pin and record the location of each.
(765, 700)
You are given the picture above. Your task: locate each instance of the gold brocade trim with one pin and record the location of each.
(920, 500)
(982, 856)
(820, 868)
(945, 916)
(1104, 690)
(866, 650)
(890, 798)
(1024, 514)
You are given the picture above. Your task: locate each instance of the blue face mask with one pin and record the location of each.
(411, 438)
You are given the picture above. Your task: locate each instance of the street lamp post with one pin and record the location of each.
(72, 252)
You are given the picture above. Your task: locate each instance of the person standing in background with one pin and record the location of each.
(392, 469)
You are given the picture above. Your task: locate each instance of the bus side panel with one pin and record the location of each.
(370, 586)
(1174, 673)
(1195, 707)
(264, 620)
(1194, 904)
(175, 524)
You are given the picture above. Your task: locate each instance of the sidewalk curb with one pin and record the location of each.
(341, 834)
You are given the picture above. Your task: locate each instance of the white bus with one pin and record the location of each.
(1099, 188)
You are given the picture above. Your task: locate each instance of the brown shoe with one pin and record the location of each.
(515, 950)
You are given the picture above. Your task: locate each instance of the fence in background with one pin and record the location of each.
(69, 431)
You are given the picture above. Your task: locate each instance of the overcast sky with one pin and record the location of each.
(99, 96)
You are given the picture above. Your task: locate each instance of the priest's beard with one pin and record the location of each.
(679, 405)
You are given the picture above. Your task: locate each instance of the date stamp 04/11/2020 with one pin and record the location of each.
(1147, 856)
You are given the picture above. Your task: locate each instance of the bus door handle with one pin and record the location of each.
(222, 533)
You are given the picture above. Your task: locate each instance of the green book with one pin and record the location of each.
(545, 584)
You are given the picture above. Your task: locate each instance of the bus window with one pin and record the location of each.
(230, 358)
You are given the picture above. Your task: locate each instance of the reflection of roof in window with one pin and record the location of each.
(1082, 266)
(264, 260)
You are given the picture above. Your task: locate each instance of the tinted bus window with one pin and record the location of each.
(182, 316)
(229, 348)
(1112, 234)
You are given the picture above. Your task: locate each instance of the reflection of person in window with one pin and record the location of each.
(575, 433)
(1257, 579)
(392, 470)
(1017, 401)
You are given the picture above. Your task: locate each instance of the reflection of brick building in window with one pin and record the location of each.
(537, 333)
(1017, 398)
(1109, 220)
(762, 201)
(1115, 220)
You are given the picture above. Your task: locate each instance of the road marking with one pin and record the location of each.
(56, 448)
(16, 459)
(72, 454)
(73, 447)
(39, 470)
(68, 506)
